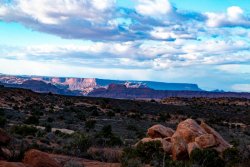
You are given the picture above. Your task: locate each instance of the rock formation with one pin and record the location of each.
(37, 158)
(188, 136)
(159, 131)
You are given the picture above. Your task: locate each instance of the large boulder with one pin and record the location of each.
(11, 164)
(206, 141)
(222, 144)
(167, 145)
(37, 158)
(179, 147)
(160, 131)
(4, 138)
(189, 130)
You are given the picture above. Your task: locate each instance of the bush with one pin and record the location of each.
(231, 156)
(130, 158)
(72, 163)
(111, 155)
(132, 128)
(81, 143)
(3, 121)
(34, 120)
(110, 114)
(145, 153)
(24, 130)
(90, 124)
(106, 137)
(206, 158)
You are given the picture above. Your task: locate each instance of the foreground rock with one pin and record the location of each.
(189, 130)
(11, 164)
(188, 136)
(35, 158)
(222, 144)
(160, 131)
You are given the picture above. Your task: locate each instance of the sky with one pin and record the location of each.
(206, 42)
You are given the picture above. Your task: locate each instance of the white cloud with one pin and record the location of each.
(56, 11)
(154, 8)
(241, 87)
(233, 17)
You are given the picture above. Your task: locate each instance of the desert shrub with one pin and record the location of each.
(3, 121)
(48, 128)
(130, 158)
(145, 153)
(110, 114)
(81, 116)
(50, 119)
(73, 163)
(2, 113)
(81, 142)
(34, 120)
(105, 154)
(132, 128)
(90, 124)
(151, 152)
(24, 130)
(206, 158)
(231, 156)
(106, 137)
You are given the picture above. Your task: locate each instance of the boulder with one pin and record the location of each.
(167, 145)
(206, 141)
(11, 164)
(160, 131)
(189, 130)
(37, 158)
(179, 147)
(191, 147)
(222, 144)
(4, 138)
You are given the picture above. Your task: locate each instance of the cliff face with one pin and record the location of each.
(87, 85)
(120, 91)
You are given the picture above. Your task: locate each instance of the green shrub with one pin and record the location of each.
(3, 121)
(206, 158)
(145, 153)
(132, 128)
(106, 137)
(24, 130)
(81, 142)
(90, 124)
(231, 156)
(34, 120)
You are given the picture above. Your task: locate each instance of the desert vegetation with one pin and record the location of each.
(106, 130)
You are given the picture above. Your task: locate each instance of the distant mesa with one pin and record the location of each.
(112, 88)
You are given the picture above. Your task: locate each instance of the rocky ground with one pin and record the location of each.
(95, 131)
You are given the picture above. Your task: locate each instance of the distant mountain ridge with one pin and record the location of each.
(112, 88)
(87, 85)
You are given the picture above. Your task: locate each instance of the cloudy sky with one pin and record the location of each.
(205, 42)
